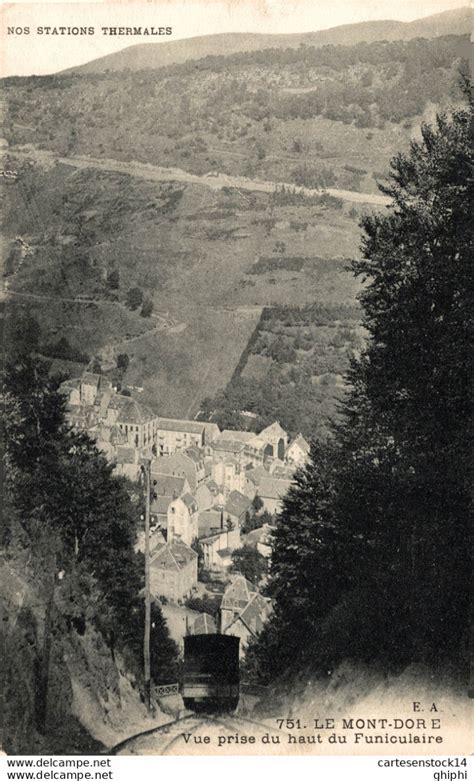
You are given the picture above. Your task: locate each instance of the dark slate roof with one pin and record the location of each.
(204, 625)
(188, 426)
(274, 429)
(132, 412)
(257, 474)
(238, 594)
(125, 455)
(237, 504)
(167, 485)
(194, 453)
(190, 502)
(160, 505)
(228, 445)
(88, 378)
(255, 614)
(260, 534)
(301, 442)
(236, 436)
(172, 556)
(272, 488)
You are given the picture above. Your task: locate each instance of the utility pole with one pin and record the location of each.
(146, 638)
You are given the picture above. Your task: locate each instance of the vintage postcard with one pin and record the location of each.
(236, 379)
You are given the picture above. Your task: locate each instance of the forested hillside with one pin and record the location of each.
(251, 113)
(168, 52)
(292, 370)
(175, 274)
(74, 552)
(369, 559)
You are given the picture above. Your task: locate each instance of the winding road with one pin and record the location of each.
(216, 181)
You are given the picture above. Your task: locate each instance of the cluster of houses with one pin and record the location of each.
(204, 484)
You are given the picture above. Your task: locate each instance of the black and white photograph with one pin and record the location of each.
(236, 305)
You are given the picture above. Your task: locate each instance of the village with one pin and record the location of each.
(213, 493)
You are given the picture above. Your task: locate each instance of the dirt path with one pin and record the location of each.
(215, 181)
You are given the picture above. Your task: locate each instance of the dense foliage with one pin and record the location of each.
(371, 557)
(69, 514)
(292, 368)
(247, 561)
(183, 116)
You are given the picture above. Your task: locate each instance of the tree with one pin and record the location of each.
(22, 331)
(123, 362)
(89, 534)
(369, 556)
(113, 279)
(197, 547)
(257, 503)
(249, 563)
(147, 308)
(134, 298)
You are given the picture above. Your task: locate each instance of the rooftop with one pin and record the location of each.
(194, 453)
(126, 455)
(189, 501)
(238, 593)
(274, 430)
(172, 556)
(301, 442)
(160, 505)
(168, 485)
(188, 426)
(88, 378)
(237, 504)
(133, 412)
(261, 534)
(228, 445)
(204, 625)
(239, 436)
(256, 613)
(273, 488)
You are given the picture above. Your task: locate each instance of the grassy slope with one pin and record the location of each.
(172, 241)
(190, 248)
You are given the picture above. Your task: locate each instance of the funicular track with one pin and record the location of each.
(167, 737)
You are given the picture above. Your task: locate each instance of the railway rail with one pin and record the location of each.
(169, 738)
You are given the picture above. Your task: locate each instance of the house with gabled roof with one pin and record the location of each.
(188, 463)
(127, 462)
(228, 471)
(165, 489)
(173, 571)
(211, 520)
(203, 625)
(89, 387)
(269, 488)
(137, 422)
(211, 431)
(174, 434)
(236, 508)
(261, 539)
(276, 436)
(297, 452)
(183, 519)
(208, 494)
(244, 611)
(218, 547)
(168, 485)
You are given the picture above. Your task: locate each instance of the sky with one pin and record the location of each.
(22, 54)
